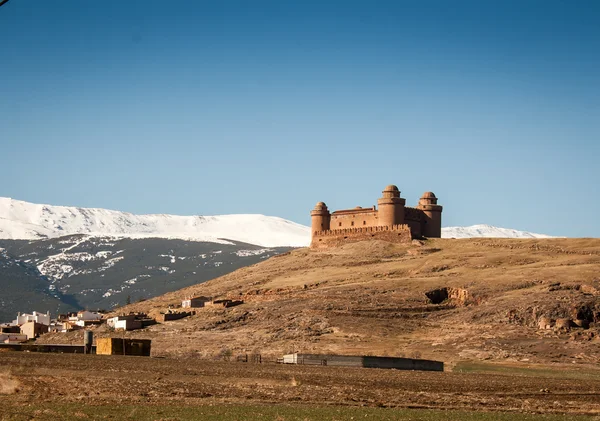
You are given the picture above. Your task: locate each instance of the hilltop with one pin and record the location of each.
(486, 299)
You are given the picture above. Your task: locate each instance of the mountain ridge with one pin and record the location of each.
(488, 231)
(20, 220)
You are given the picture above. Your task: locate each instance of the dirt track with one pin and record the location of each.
(101, 380)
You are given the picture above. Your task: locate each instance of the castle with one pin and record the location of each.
(391, 221)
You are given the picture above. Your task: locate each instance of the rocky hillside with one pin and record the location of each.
(518, 300)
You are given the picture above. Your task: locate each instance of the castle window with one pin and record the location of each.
(352, 223)
(364, 222)
(340, 224)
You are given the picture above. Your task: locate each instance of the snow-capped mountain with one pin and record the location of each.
(27, 221)
(487, 231)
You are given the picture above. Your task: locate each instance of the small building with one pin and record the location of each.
(88, 315)
(37, 317)
(12, 338)
(127, 322)
(121, 346)
(56, 327)
(10, 329)
(33, 329)
(195, 302)
(226, 303)
(363, 361)
(176, 315)
(68, 326)
(66, 317)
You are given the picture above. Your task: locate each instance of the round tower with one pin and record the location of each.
(432, 223)
(320, 217)
(391, 207)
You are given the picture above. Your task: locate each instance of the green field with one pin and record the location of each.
(225, 412)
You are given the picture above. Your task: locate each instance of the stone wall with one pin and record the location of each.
(61, 349)
(363, 361)
(354, 219)
(338, 237)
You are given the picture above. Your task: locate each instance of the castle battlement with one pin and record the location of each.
(392, 221)
(365, 230)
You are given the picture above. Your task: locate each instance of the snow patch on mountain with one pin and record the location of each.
(28, 221)
(488, 231)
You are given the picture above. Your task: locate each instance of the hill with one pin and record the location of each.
(481, 299)
(58, 258)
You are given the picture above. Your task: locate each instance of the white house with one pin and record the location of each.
(36, 317)
(195, 302)
(124, 322)
(84, 318)
(56, 327)
(88, 315)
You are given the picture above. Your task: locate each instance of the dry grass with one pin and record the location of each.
(8, 384)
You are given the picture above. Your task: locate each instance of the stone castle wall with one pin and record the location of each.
(413, 218)
(354, 219)
(337, 237)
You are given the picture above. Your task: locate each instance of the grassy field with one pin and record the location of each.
(55, 412)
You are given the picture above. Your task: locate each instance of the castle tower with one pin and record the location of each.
(432, 223)
(321, 217)
(391, 207)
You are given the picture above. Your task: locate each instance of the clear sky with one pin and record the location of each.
(221, 107)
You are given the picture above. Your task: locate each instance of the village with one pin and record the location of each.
(21, 335)
(27, 327)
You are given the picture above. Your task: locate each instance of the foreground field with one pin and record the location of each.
(222, 412)
(69, 386)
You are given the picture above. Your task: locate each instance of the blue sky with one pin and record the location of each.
(193, 107)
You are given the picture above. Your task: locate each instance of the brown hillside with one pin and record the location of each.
(492, 297)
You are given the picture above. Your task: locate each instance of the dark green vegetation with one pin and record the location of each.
(77, 272)
(224, 412)
(22, 287)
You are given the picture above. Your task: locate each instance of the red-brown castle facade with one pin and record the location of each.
(391, 220)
